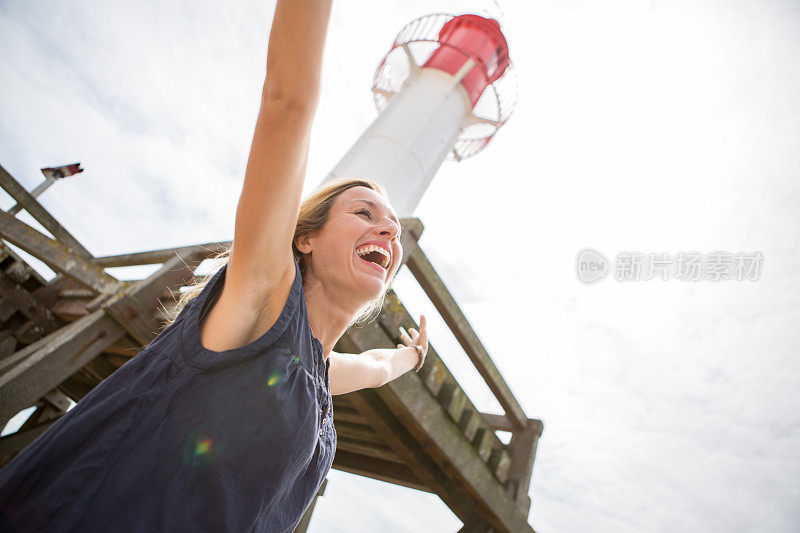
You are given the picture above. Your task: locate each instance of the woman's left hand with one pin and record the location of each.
(414, 338)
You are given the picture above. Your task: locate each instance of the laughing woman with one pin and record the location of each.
(224, 422)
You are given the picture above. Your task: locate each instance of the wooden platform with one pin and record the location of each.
(58, 340)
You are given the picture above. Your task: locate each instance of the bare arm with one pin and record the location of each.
(261, 263)
(377, 367)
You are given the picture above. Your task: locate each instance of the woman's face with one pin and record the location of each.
(358, 249)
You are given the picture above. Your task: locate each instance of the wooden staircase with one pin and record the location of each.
(59, 339)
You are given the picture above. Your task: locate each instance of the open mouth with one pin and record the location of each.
(374, 255)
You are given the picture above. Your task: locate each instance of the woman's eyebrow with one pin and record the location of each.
(375, 206)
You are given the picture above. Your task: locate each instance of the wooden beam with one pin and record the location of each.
(28, 304)
(376, 451)
(32, 206)
(387, 471)
(39, 367)
(135, 307)
(152, 257)
(409, 237)
(448, 308)
(11, 444)
(19, 265)
(498, 422)
(51, 406)
(56, 255)
(358, 432)
(345, 414)
(522, 450)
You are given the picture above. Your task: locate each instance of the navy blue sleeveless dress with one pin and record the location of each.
(182, 438)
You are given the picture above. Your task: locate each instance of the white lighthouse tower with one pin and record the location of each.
(443, 89)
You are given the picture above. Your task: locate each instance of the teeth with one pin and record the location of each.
(362, 251)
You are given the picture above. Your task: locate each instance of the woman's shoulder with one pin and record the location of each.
(219, 327)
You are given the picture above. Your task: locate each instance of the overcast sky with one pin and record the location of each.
(655, 127)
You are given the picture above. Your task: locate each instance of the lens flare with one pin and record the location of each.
(275, 378)
(199, 449)
(203, 446)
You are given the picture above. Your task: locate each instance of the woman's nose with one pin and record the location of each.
(389, 229)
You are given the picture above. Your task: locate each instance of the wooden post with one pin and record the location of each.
(303, 525)
(522, 449)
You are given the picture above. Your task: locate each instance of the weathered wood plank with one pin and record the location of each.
(6, 309)
(358, 432)
(433, 372)
(15, 442)
(28, 305)
(41, 366)
(377, 451)
(56, 255)
(69, 310)
(499, 461)
(469, 423)
(452, 398)
(345, 414)
(371, 467)
(7, 254)
(76, 387)
(116, 360)
(498, 422)
(409, 237)
(32, 206)
(448, 308)
(134, 307)
(8, 344)
(522, 450)
(482, 441)
(152, 257)
(124, 347)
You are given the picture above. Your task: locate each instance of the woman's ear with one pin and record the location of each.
(303, 244)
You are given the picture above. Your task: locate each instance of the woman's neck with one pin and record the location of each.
(329, 318)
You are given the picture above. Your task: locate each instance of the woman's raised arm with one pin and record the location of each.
(261, 259)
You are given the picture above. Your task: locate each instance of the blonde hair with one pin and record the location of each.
(312, 216)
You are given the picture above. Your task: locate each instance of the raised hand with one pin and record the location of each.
(417, 340)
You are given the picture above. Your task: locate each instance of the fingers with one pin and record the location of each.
(404, 336)
(413, 336)
(423, 332)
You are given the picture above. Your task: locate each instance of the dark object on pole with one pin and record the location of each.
(51, 174)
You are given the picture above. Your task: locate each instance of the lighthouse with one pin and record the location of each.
(442, 91)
